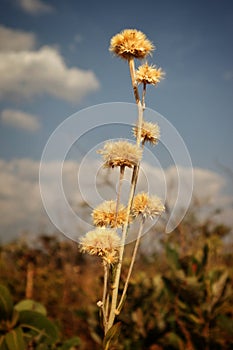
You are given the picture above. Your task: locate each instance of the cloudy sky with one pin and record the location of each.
(54, 61)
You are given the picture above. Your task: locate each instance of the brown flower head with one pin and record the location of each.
(131, 43)
(146, 74)
(120, 153)
(101, 242)
(147, 206)
(105, 214)
(150, 132)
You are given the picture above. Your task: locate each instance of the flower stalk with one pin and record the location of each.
(133, 80)
(122, 172)
(110, 216)
(136, 246)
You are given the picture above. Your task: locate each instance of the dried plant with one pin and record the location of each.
(111, 218)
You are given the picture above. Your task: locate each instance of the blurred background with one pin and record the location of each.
(54, 61)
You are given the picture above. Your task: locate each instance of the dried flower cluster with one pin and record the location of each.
(131, 43)
(147, 206)
(149, 74)
(111, 215)
(101, 242)
(120, 153)
(150, 132)
(105, 214)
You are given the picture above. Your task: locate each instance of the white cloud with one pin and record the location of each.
(35, 7)
(16, 40)
(26, 73)
(21, 206)
(19, 119)
(206, 184)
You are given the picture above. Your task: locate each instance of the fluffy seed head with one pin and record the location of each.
(149, 74)
(131, 43)
(105, 215)
(101, 242)
(150, 132)
(147, 206)
(120, 153)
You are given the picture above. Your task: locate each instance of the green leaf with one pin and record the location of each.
(174, 340)
(6, 303)
(32, 305)
(96, 337)
(14, 339)
(169, 286)
(195, 319)
(205, 256)
(3, 345)
(39, 324)
(172, 257)
(112, 334)
(14, 319)
(68, 344)
(218, 288)
(182, 305)
(225, 323)
(44, 347)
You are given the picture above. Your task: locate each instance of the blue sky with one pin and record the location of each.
(52, 52)
(193, 40)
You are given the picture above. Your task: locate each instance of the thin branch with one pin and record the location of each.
(122, 172)
(131, 265)
(144, 96)
(104, 294)
(113, 309)
(133, 79)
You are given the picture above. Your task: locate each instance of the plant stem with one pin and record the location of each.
(113, 309)
(133, 79)
(137, 99)
(143, 96)
(117, 281)
(107, 346)
(131, 265)
(122, 171)
(105, 294)
(105, 310)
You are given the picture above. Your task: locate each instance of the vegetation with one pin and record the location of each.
(25, 326)
(180, 297)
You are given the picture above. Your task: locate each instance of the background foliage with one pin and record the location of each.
(180, 296)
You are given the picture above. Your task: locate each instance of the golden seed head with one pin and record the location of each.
(131, 43)
(147, 206)
(120, 153)
(101, 242)
(149, 74)
(150, 132)
(105, 215)
(111, 258)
